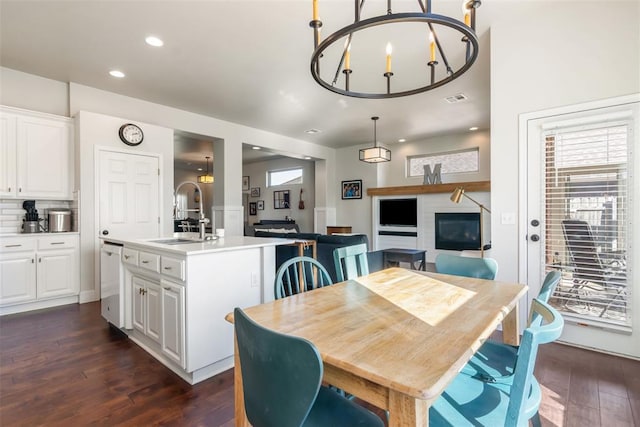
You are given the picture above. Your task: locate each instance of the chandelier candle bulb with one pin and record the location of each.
(315, 10)
(389, 51)
(347, 60)
(432, 47)
(466, 13)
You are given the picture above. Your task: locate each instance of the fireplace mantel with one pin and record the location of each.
(405, 190)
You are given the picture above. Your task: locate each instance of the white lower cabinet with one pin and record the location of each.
(158, 312)
(147, 308)
(17, 278)
(33, 269)
(173, 327)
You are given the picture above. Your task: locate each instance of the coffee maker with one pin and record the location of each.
(31, 222)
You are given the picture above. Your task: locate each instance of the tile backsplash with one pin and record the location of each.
(12, 213)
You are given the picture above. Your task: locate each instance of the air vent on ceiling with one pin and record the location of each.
(312, 131)
(459, 97)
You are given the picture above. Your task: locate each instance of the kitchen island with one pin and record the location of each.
(176, 291)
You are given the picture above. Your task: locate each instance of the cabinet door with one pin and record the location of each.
(44, 158)
(7, 155)
(173, 322)
(139, 320)
(153, 319)
(57, 273)
(17, 278)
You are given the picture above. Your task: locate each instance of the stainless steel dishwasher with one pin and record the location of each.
(112, 283)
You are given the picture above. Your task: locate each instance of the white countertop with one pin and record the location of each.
(65, 233)
(228, 243)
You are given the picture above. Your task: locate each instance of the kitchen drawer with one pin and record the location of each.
(149, 261)
(55, 242)
(130, 256)
(17, 245)
(173, 267)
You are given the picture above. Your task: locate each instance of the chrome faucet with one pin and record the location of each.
(203, 220)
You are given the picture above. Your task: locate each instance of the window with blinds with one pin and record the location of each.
(587, 208)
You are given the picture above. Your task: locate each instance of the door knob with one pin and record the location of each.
(105, 232)
(535, 222)
(535, 237)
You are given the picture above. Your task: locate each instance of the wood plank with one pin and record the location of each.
(406, 190)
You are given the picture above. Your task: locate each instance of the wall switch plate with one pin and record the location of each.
(508, 218)
(254, 280)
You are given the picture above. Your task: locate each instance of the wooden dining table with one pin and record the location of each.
(394, 338)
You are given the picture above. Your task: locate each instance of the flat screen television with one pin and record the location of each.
(399, 212)
(458, 231)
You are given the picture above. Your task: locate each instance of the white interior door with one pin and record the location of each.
(579, 210)
(128, 198)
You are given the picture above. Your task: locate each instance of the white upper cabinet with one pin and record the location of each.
(38, 152)
(8, 186)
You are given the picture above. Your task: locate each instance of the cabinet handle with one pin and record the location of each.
(167, 288)
(39, 259)
(20, 190)
(127, 256)
(33, 261)
(9, 189)
(145, 262)
(108, 253)
(12, 246)
(57, 243)
(167, 268)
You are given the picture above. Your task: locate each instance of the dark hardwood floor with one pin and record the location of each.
(65, 366)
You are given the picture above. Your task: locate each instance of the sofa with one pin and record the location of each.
(325, 245)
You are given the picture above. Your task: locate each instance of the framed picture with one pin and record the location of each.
(245, 183)
(252, 208)
(352, 189)
(260, 205)
(281, 200)
(255, 192)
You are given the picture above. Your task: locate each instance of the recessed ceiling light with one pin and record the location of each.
(473, 128)
(312, 131)
(256, 148)
(116, 73)
(154, 41)
(402, 140)
(199, 169)
(307, 158)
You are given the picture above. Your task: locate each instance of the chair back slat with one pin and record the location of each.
(549, 285)
(300, 274)
(480, 268)
(351, 262)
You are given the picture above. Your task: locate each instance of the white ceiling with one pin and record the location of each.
(242, 61)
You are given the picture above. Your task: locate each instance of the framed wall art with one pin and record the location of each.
(245, 183)
(252, 208)
(281, 200)
(352, 189)
(260, 205)
(255, 192)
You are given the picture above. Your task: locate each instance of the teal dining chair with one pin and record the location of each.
(480, 268)
(495, 359)
(351, 262)
(282, 382)
(300, 274)
(509, 401)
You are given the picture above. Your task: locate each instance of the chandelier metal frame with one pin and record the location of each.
(468, 32)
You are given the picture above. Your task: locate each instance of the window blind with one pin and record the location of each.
(586, 176)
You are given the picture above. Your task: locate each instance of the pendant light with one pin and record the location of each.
(206, 179)
(375, 154)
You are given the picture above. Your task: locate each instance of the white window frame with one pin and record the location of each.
(269, 172)
(445, 169)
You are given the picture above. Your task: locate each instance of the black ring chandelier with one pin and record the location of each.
(469, 42)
